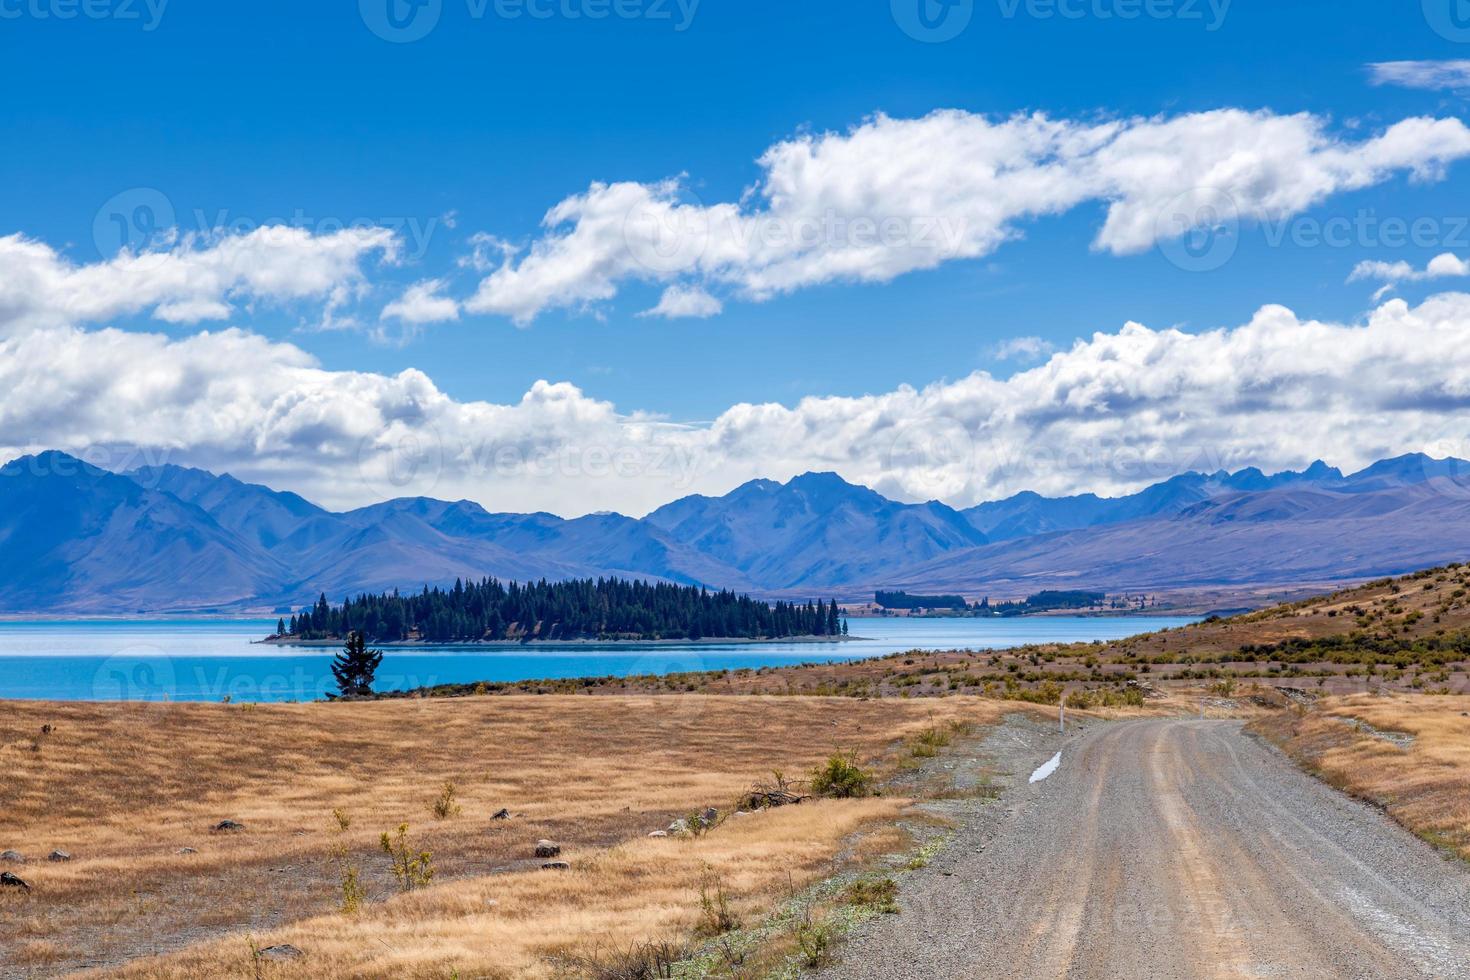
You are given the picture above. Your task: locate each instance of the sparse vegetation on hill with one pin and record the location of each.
(1410, 633)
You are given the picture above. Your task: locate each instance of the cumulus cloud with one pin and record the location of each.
(422, 303)
(1112, 413)
(686, 302)
(195, 280)
(1432, 75)
(892, 196)
(1023, 349)
(1444, 266)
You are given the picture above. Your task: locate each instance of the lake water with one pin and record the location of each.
(194, 660)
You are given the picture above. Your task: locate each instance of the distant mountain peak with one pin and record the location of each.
(1321, 471)
(821, 478)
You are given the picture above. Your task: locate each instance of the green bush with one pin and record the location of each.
(410, 870)
(444, 806)
(842, 778)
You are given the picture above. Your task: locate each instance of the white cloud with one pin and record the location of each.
(893, 196)
(422, 303)
(680, 302)
(1433, 75)
(1111, 413)
(1023, 349)
(485, 251)
(195, 280)
(1444, 266)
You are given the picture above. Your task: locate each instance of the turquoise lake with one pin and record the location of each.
(197, 660)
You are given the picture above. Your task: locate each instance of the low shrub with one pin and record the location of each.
(841, 777)
(411, 870)
(444, 806)
(879, 894)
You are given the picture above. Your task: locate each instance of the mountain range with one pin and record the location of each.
(78, 539)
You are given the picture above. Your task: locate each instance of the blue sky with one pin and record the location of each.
(269, 110)
(256, 112)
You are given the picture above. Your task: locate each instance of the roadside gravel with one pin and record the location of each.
(1168, 849)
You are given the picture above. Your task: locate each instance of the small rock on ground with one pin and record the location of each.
(556, 866)
(285, 951)
(58, 855)
(8, 880)
(547, 849)
(13, 857)
(226, 826)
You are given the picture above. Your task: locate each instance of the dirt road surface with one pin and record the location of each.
(1173, 849)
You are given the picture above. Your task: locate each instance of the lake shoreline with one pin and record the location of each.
(194, 660)
(552, 644)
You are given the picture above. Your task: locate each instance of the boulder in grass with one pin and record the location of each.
(59, 855)
(501, 814)
(710, 817)
(547, 849)
(285, 951)
(12, 857)
(186, 850)
(8, 880)
(228, 827)
(556, 866)
(659, 833)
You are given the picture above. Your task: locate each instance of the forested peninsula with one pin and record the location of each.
(585, 610)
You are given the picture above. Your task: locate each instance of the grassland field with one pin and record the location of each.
(1360, 687)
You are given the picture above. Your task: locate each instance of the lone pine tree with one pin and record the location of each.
(356, 666)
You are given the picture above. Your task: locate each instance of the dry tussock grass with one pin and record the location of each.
(125, 787)
(1425, 785)
(540, 921)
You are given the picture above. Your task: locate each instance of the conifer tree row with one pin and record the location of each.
(584, 609)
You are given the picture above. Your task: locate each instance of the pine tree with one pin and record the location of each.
(356, 666)
(281, 627)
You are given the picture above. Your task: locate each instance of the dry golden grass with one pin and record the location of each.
(125, 787)
(1424, 785)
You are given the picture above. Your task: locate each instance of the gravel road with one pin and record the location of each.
(1172, 849)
